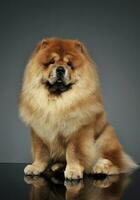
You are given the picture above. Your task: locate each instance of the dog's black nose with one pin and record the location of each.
(60, 70)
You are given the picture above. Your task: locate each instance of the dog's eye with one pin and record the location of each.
(69, 63)
(49, 63)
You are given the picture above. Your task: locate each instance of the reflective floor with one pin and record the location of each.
(14, 186)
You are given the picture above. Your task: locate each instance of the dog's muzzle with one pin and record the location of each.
(58, 81)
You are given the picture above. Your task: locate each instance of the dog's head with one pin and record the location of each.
(61, 62)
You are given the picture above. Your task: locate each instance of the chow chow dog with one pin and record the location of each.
(61, 101)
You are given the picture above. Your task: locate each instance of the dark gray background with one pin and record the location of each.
(111, 31)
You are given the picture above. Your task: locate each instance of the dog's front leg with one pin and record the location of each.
(40, 156)
(80, 153)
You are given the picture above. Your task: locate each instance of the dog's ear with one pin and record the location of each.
(81, 47)
(43, 44)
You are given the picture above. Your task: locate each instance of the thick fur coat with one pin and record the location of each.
(66, 113)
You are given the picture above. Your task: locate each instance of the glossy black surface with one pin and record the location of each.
(14, 186)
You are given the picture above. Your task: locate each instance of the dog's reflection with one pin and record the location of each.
(110, 188)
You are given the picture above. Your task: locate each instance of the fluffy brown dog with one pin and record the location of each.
(61, 101)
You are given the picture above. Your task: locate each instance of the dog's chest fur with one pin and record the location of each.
(51, 118)
(55, 121)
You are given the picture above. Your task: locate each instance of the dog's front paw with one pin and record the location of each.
(73, 172)
(105, 166)
(34, 169)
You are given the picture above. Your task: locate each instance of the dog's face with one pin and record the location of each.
(60, 62)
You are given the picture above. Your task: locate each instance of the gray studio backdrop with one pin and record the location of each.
(110, 29)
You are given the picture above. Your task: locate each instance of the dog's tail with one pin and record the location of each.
(129, 165)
